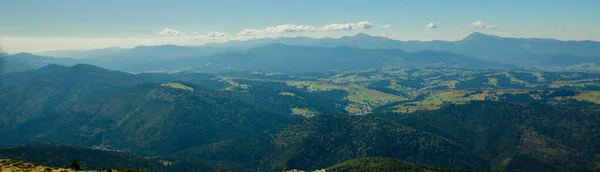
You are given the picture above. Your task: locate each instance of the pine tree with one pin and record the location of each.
(75, 165)
(284, 168)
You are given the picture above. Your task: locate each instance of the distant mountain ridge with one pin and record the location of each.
(302, 54)
(362, 40)
(279, 57)
(490, 43)
(81, 53)
(276, 57)
(535, 51)
(25, 61)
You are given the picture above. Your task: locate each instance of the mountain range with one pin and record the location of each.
(302, 54)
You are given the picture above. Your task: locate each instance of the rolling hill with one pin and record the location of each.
(326, 140)
(59, 156)
(517, 136)
(89, 106)
(383, 165)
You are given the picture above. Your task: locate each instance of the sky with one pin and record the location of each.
(50, 25)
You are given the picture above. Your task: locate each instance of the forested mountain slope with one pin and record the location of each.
(98, 159)
(326, 140)
(517, 136)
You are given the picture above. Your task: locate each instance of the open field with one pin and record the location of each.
(369, 89)
(178, 86)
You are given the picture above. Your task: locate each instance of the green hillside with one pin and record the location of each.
(382, 164)
(99, 159)
(517, 136)
(151, 118)
(326, 140)
(89, 106)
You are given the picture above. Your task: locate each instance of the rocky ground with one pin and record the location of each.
(7, 165)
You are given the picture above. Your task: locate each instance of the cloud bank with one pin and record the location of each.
(290, 28)
(210, 36)
(170, 32)
(481, 25)
(286, 28)
(386, 26)
(347, 26)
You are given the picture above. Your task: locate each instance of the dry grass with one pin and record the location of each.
(178, 86)
(590, 96)
(7, 165)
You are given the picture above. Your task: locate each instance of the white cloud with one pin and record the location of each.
(170, 32)
(216, 34)
(481, 25)
(431, 26)
(554, 26)
(286, 28)
(348, 26)
(290, 28)
(386, 26)
(210, 37)
(389, 36)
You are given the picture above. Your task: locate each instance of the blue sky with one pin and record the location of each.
(45, 25)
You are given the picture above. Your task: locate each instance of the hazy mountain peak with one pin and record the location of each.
(163, 45)
(362, 35)
(80, 65)
(24, 54)
(277, 45)
(53, 67)
(478, 36)
(88, 68)
(111, 48)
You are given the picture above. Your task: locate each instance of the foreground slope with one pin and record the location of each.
(96, 159)
(20, 166)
